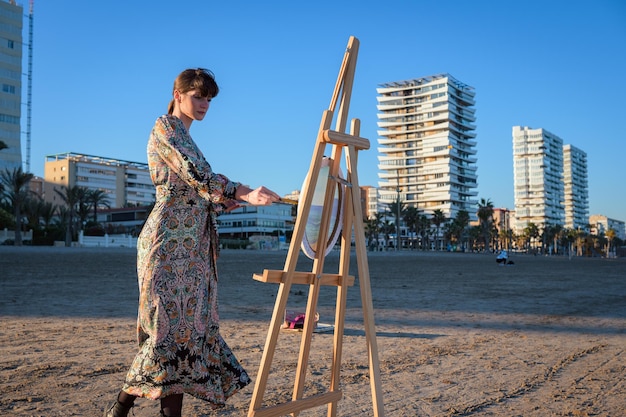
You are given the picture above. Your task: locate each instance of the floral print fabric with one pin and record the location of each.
(180, 347)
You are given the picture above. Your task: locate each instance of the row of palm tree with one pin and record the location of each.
(424, 231)
(438, 232)
(28, 208)
(556, 239)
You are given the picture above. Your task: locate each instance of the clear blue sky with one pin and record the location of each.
(103, 72)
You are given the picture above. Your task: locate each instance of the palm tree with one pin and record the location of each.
(570, 238)
(372, 228)
(423, 227)
(520, 240)
(15, 190)
(504, 237)
(531, 232)
(485, 217)
(83, 206)
(3, 145)
(561, 238)
(474, 235)
(97, 198)
(380, 218)
(456, 229)
(438, 219)
(387, 228)
(397, 208)
(71, 197)
(411, 219)
(610, 235)
(546, 236)
(555, 232)
(48, 210)
(581, 241)
(32, 212)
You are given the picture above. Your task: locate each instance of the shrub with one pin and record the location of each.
(7, 220)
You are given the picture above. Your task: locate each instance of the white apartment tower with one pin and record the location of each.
(576, 195)
(10, 84)
(427, 147)
(537, 178)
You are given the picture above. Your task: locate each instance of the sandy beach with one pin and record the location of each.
(457, 334)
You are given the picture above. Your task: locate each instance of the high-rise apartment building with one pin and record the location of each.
(537, 178)
(576, 194)
(125, 183)
(10, 84)
(427, 144)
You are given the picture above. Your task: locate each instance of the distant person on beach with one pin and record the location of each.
(181, 350)
(502, 257)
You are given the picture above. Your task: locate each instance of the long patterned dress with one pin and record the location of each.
(180, 347)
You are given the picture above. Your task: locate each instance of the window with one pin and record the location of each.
(6, 118)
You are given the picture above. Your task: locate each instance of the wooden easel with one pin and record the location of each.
(352, 217)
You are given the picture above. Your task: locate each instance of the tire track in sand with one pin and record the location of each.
(528, 385)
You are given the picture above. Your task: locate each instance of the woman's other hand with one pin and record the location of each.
(261, 196)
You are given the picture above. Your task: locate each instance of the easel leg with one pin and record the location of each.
(366, 291)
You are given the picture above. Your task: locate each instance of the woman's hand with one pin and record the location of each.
(261, 196)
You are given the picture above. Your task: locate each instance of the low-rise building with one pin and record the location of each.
(125, 183)
(247, 220)
(600, 224)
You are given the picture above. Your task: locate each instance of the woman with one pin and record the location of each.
(180, 347)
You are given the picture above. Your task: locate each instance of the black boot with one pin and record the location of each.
(162, 414)
(117, 409)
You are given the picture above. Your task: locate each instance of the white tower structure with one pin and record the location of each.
(537, 177)
(427, 153)
(576, 188)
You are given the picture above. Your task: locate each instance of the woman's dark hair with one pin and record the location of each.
(200, 79)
